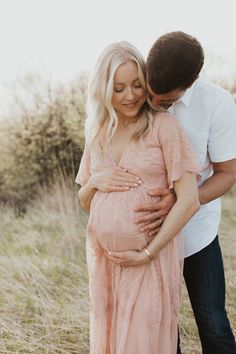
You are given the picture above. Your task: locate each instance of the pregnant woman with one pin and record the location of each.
(129, 150)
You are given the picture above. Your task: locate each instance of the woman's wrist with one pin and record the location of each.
(148, 253)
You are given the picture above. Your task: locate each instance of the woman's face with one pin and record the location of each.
(128, 93)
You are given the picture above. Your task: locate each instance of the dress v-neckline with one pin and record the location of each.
(122, 154)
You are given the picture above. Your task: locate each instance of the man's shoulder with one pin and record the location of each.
(209, 90)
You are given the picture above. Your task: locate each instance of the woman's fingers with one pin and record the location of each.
(115, 260)
(125, 184)
(128, 179)
(112, 178)
(126, 175)
(119, 254)
(117, 182)
(118, 188)
(115, 257)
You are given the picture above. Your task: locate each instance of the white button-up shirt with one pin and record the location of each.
(208, 114)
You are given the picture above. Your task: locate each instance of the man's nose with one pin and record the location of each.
(155, 101)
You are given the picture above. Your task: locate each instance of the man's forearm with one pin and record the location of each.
(216, 186)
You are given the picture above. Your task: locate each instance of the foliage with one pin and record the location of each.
(43, 135)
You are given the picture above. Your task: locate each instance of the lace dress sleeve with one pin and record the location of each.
(84, 167)
(178, 153)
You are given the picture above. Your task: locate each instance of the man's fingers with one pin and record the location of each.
(165, 204)
(148, 207)
(153, 232)
(152, 226)
(159, 192)
(149, 217)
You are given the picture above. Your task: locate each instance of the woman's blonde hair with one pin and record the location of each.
(102, 119)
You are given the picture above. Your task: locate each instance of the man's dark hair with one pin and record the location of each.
(174, 61)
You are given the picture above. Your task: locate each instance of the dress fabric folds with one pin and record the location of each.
(134, 310)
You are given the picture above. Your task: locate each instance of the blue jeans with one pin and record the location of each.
(204, 278)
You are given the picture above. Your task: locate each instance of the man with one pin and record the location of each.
(208, 115)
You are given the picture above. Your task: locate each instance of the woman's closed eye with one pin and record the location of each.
(118, 90)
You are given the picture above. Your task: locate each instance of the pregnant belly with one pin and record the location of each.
(112, 220)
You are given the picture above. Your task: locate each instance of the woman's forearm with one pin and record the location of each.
(185, 207)
(86, 194)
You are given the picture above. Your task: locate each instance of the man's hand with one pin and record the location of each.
(151, 222)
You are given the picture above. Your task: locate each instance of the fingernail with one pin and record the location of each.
(135, 185)
(140, 182)
(109, 253)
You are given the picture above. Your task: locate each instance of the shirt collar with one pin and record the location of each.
(186, 98)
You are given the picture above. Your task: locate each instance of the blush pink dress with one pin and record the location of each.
(135, 310)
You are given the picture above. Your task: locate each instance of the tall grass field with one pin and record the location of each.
(43, 278)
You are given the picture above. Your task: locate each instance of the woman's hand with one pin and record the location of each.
(129, 258)
(114, 179)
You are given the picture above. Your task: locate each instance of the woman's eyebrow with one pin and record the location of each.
(122, 83)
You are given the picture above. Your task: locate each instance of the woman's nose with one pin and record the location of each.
(129, 93)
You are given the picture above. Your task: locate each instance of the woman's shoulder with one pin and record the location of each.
(164, 119)
(163, 115)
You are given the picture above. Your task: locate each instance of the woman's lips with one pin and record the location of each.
(130, 105)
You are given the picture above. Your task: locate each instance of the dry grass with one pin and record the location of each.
(43, 277)
(189, 334)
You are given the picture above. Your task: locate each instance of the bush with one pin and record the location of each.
(44, 134)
